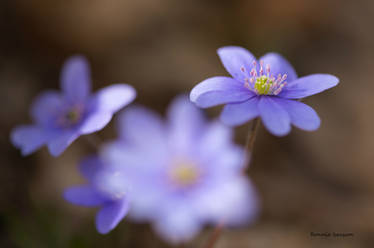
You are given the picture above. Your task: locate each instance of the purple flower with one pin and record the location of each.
(106, 188)
(267, 89)
(184, 172)
(60, 118)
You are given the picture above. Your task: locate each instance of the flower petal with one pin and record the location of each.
(90, 166)
(75, 79)
(215, 137)
(142, 128)
(29, 138)
(274, 116)
(178, 225)
(59, 144)
(219, 90)
(233, 200)
(308, 85)
(234, 58)
(216, 149)
(46, 106)
(186, 123)
(279, 65)
(110, 215)
(131, 159)
(84, 196)
(231, 160)
(302, 116)
(113, 98)
(95, 122)
(239, 113)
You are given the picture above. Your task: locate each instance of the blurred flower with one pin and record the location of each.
(60, 118)
(264, 89)
(184, 172)
(106, 188)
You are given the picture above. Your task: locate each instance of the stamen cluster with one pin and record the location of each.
(263, 82)
(184, 174)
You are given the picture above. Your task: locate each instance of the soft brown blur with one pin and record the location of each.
(308, 182)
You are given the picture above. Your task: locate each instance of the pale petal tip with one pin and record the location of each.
(225, 48)
(335, 80)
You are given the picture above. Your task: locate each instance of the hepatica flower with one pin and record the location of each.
(184, 172)
(106, 188)
(61, 117)
(268, 88)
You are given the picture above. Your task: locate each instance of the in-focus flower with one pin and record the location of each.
(265, 89)
(184, 172)
(106, 188)
(60, 118)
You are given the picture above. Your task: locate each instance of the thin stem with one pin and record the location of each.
(215, 236)
(249, 144)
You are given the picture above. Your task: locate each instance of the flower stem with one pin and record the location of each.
(215, 236)
(249, 144)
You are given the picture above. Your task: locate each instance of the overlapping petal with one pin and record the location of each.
(234, 58)
(59, 144)
(84, 195)
(302, 116)
(274, 116)
(308, 85)
(238, 113)
(95, 122)
(110, 215)
(219, 90)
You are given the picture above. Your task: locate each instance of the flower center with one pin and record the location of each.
(263, 82)
(184, 174)
(71, 117)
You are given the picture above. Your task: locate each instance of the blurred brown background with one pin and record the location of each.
(308, 182)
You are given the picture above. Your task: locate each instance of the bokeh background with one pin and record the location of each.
(308, 182)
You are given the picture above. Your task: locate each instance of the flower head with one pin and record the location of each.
(265, 89)
(184, 172)
(61, 117)
(106, 188)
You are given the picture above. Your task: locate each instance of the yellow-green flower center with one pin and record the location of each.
(73, 116)
(263, 85)
(184, 174)
(262, 81)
